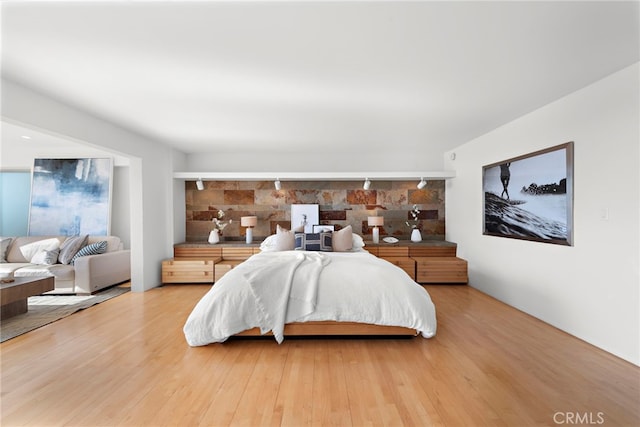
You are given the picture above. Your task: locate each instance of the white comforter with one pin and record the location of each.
(273, 288)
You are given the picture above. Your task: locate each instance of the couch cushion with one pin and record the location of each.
(92, 249)
(31, 250)
(113, 242)
(7, 269)
(46, 257)
(59, 271)
(15, 254)
(4, 245)
(70, 248)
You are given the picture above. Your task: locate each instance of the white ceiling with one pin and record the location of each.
(208, 76)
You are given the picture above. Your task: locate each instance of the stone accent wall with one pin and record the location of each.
(341, 203)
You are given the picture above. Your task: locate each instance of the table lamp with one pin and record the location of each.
(375, 221)
(249, 222)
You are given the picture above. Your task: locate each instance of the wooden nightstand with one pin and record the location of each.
(429, 261)
(441, 270)
(188, 270)
(204, 263)
(398, 255)
(231, 257)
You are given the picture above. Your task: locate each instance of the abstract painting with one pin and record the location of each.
(70, 197)
(531, 197)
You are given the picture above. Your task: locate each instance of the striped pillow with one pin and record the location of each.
(92, 249)
(313, 242)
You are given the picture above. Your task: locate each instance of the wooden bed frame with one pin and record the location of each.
(329, 328)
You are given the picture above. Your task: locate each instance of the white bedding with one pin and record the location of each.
(273, 288)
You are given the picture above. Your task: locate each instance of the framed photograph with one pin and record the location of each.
(322, 228)
(71, 197)
(530, 197)
(303, 217)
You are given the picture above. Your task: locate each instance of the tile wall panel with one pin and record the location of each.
(341, 203)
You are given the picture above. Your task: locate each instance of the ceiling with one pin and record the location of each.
(236, 76)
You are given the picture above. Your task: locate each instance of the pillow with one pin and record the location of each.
(4, 245)
(342, 240)
(70, 247)
(358, 242)
(31, 249)
(269, 244)
(314, 242)
(92, 249)
(46, 257)
(285, 239)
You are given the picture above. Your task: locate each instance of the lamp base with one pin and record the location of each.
(249, 235)
(375, 235)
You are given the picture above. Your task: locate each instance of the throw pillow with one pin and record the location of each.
(70, 247)
(358, 242)
(285, 239)
(31, 249)
(313, 242)
(269, 244)
(92, 249)
(342, 240)
(46, 257)
(4, 245)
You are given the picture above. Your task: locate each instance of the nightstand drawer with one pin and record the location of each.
(407, 264)
(393, 251)
(200, 252)
(238, 254)
(223, 267)
(441, 270)
(432, 251)
(188, 270)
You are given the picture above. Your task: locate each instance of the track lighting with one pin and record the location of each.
(200, 184)
(277, 184)
(366, 184)
(421, 184)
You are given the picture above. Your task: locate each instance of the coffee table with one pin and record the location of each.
(13, 295)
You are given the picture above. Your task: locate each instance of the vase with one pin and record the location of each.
(415, 235)
(214, 236)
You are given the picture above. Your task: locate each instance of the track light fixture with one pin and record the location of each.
(421, 184)
(200, 184)
(277, 184)
(366, 184)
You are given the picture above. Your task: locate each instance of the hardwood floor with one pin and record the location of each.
(125, 362)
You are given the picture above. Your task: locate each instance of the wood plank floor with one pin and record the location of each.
(125, 362)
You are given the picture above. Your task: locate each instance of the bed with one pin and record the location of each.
(310, 292)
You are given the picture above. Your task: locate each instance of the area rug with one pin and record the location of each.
(47, 309)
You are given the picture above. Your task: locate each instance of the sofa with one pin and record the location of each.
(80, 265)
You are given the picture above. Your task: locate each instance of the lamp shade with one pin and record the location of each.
(374, 221)
(248, 221)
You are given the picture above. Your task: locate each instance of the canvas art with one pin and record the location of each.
(304, 217)
(531, 197)
(70, 197)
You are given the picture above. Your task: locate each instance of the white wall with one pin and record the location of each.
(151, 183)
(589, 290)
(309, 160)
